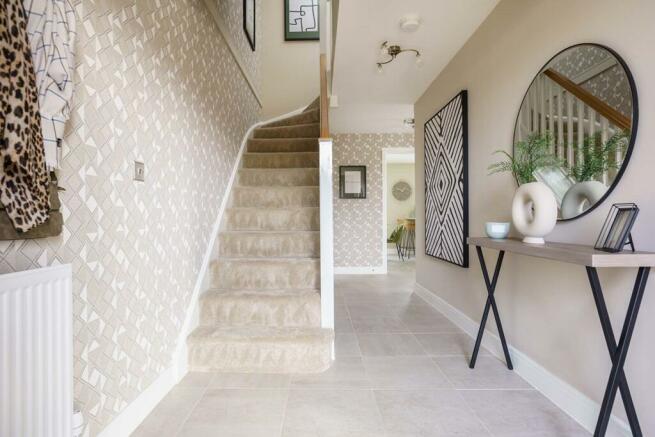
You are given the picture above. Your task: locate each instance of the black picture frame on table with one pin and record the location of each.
(251, 38)
(440, 126)
(615, 233)
(301, 36)
(342, 181)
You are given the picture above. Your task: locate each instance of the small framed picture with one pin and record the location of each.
(301, 20)
(352, 182)
(249, 21)
(615, 233)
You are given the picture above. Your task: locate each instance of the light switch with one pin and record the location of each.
(139, 171)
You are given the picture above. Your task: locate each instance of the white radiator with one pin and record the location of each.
(36, 353)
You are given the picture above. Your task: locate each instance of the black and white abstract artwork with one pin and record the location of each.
(446, 182)
(301, 20)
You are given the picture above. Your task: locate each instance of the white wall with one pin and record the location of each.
(547, 308)
(290, 69)
(397, 209)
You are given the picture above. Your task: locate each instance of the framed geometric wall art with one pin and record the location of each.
(249, 18)
(301, 20)
(446, 182)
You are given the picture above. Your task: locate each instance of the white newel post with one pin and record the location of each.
(327, 232)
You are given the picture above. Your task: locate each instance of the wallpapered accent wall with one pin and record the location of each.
(155, 83)
(232, 13)
(358, 222)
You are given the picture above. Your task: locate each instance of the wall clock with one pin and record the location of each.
(401, 190)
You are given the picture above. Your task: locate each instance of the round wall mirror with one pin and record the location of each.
(576, 127)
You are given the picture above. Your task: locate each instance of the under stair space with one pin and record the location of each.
(262, 313)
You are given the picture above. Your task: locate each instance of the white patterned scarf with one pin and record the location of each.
(51, 31)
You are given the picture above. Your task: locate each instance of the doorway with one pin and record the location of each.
(399, 206)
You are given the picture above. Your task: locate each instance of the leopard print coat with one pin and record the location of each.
(24, 179)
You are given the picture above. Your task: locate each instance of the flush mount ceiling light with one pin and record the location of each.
(393, 50)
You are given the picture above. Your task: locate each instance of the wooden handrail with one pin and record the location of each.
(324, 100)
(594, 102)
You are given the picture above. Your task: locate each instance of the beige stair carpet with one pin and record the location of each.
(262, 313)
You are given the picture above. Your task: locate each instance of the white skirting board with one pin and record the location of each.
(379, 270)
(573, 402)
(132, 416)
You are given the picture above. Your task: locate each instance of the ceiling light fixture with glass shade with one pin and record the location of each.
(393, 50)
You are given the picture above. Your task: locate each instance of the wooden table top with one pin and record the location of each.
(569, 253)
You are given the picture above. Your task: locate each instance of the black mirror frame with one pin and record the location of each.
(635, 120)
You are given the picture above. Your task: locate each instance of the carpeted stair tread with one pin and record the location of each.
(295, 244)
(281, 160)
(275, 197)
(277, 145)
(266, 274)
(309, 130)
(305, 117)
(260, 349)
(272, 219)
(278, 308)
(285, 177)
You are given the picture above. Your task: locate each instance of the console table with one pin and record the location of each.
(592, 260)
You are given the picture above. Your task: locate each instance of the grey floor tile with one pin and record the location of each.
(441, 413)
(332, 413)
(379, 323)
(169, 415)
(346, 345)
(237, 413)
(380, 345)
(489, 373)
(447, 343)
(342, 323)
(250, 380)
(345, 372)
(196, 380)
(404, 373)
(514, 413)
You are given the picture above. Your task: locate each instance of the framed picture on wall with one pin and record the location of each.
(301, 20)
(352, 182)
(446, 182)
(249, 21)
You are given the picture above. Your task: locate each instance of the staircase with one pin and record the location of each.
(263, 311)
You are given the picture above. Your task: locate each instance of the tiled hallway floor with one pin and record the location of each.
(401, 371)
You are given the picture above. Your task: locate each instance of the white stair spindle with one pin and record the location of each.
(569, 129)
(604, 135)
(542, 104)
(560, 124)
(580, 142)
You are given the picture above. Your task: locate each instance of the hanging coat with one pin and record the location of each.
(24, 179)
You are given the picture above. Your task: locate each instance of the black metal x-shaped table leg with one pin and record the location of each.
(618, 353)
(491, 304)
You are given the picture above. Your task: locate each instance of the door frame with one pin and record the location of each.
(386, 152)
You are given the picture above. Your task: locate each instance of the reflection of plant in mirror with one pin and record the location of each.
(597, 158)
(529, 155)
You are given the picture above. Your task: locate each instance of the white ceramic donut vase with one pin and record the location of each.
(534, 212)
(581, 197)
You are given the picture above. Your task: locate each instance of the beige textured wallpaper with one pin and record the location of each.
(547, 307)
(155, 83)
(358, 222)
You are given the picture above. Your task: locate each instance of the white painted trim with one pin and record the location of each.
(573, 402)
(327, 233)
(379, 270)
(386, 152)
(132, 416)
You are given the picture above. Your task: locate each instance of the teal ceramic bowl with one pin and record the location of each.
(497, 230)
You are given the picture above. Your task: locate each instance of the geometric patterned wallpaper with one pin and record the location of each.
(358, 222)
(155, 83)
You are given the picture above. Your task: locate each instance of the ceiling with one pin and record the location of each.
(364, 24)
